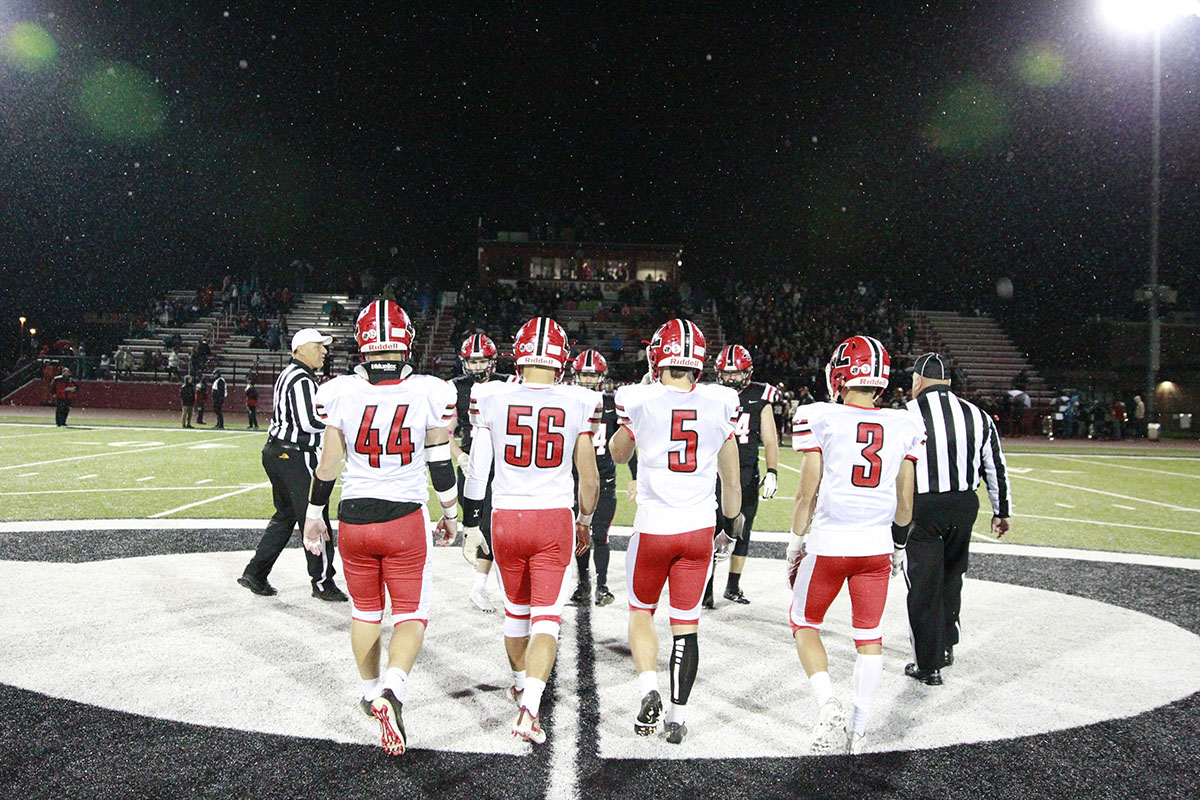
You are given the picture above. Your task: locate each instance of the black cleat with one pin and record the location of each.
(948, 659)
(391, 724)
(603, 596)
(258, 587)
(708, 602)
(675, 732)
(364, 705)
(736, 596)
(580, 595)
(929, 677)
(331, 595)
(647, 719)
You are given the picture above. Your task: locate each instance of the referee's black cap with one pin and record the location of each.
(932, 365)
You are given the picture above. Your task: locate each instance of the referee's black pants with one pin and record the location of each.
(290, 471)
(937, 561)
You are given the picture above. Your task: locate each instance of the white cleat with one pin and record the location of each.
(482, 601)
(830, 725)
(528, 727)
(515, 695)
(854, 742)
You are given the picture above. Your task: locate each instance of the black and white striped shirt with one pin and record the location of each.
(962, 447)
(296, 420)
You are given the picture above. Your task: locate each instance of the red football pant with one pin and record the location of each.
(533, 550)
(820, 578)
(396, 554)
(683, 559)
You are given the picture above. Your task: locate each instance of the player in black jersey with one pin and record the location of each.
(755, 426)
(478, 354)
(590, 370)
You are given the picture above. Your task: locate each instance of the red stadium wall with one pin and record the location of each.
(131, 395)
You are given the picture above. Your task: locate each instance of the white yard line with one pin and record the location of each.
(85, 477)
(23, 435)
(28, 475)
(211, 499)
(1127, 508)
(1085, 460)
(126, 452)
(985, 536)
(1089, 457)
(1108, 524)
(147, 478)
(205, 480)
(122, 491)
(1107, 494)
(1063, 505)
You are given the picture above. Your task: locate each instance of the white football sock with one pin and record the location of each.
(822, 687)
(532, 699)
(647, 682)
(868, 674)
(480, 582)
(676, 713)
(396, 679)
(372, 688)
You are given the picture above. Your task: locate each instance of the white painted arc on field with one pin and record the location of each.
(1171, 506)
(1109, 524)
(1107, 463)
(122, 452)
(1032, 661)
(243, 490)
(126, 489)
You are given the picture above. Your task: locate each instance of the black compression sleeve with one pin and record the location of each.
(442, 475)
(900, 534)
(633, 466)
(321, 491)
(472, 512)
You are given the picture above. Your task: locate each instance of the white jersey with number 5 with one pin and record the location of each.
(678, 433)
(862, 449)
(532, 429)
(384, 425)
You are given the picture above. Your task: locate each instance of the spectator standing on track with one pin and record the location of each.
(62, 389)
(201, 399)
(962, 446)
(289, 458)
(218, 398)
(187, 399)
(1139, 416)
(251, 406)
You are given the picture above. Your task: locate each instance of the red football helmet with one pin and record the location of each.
(590, 368)
(734, 360)
(541, 342)
(678, 343)
(858, 362)
(475, 347)
(382, 325)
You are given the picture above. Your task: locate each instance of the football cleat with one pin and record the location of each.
(929, 677)
(736, 596)
(528, 727)
(647, 719)
(675, 731)
(948, 659)
(854, 742)
(831, 722)
(364, 705)
(580, 595)
(603, 596)
(481, 600)
(708, 601)
(391, 724)
(515, 695)
(258, 587)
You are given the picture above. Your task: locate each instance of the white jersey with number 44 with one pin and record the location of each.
(532, 429)
(384, 425)
(862, 450)
(678, 434)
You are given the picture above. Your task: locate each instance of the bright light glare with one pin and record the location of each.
(1146, 15)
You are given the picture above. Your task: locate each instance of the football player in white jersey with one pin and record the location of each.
(681, 430)
(390, 424)
(528, 435)
(856, 487)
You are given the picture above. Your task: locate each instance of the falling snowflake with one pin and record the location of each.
(243, 64)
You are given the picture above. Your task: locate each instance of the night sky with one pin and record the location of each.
(148, 145)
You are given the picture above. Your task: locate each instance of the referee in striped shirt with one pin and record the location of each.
(962, 446)
(289, 457)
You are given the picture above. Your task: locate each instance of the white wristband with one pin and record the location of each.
(450, 512)
(797, 542)
(314, 512)
(585, 519)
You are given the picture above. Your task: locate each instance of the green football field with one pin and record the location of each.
(1142, 500)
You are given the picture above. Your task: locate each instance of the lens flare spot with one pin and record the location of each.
(967, 119)
(1042, 66)
(28, 46)
(121, 102)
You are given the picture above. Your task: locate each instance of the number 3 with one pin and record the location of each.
(870, 434)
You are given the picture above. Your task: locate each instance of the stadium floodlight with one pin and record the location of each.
(1151, 16)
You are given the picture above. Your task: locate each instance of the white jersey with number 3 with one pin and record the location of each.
(678, 433)
(384, 425)
(532, 429)
(862, 450)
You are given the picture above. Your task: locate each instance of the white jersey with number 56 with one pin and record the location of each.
(678, 434)
(384, 425)
(531, 429)
(862, 450)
